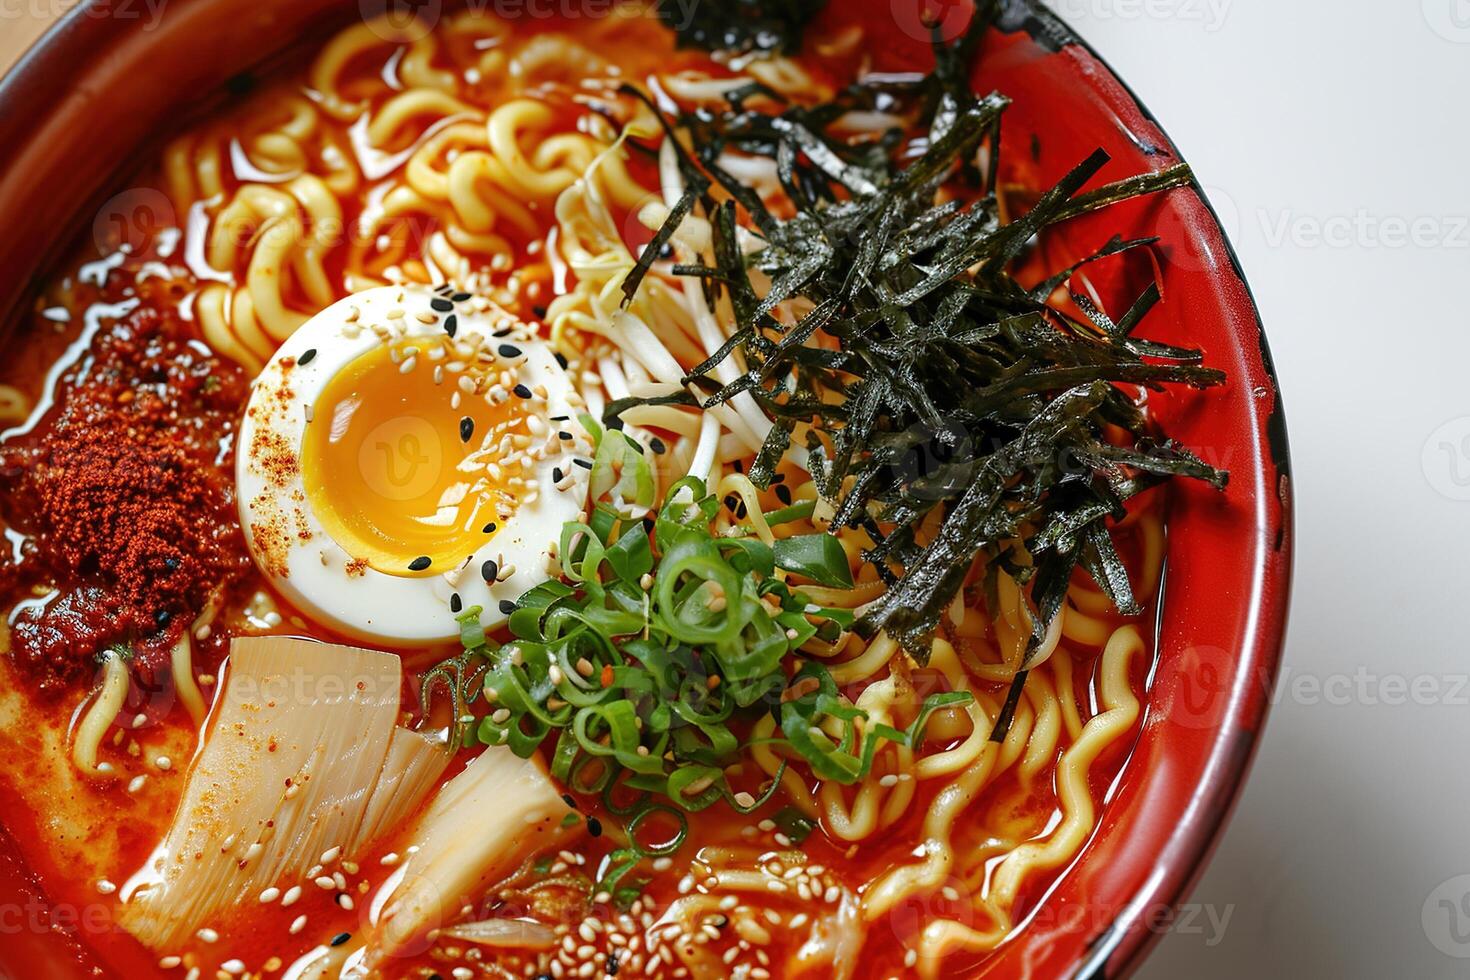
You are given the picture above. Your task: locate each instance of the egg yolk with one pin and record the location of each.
(395, 472)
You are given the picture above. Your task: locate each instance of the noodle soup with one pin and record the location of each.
(675, 618)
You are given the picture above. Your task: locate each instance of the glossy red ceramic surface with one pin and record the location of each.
(84, 109)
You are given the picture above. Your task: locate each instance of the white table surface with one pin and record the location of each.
(1334, 138)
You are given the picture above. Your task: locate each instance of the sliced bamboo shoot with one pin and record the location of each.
(301, 754)
(481, 827)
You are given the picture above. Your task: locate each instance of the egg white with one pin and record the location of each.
(288, 540)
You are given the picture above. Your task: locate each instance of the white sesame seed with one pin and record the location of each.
(298, 924)
(136, 783)
(169, 962)
(233, 967)
(270, 894)
(325, 882)
(388, 860)
(106, 887)
(292, 895)
(331, 854)
(207, 935)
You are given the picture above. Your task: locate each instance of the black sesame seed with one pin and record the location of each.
(455, 603)
(556, 474)
(568, 800)
(420, 563)
(783, 494)
(307, 357)
(657, 445)
(562, 360)
(509, 350)
(451, 325)
(522, 391)
(444, 290)
(341, 938)
(586, 464)
(612, 964)
(560, 418)
(441, 305)
(539, 311)
(731, 501)
(489, 570)
(507, 607)
(594, 826)
(488, 528)
(466, 428)
(778, 478)
(460, 297)
(564, 436)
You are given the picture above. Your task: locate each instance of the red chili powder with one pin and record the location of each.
(127, 494)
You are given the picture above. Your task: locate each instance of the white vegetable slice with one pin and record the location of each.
(481, 827)
(301, 754)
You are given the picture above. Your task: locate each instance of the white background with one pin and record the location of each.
(1334, 137)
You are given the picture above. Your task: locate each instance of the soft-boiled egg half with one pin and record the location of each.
(404, 447)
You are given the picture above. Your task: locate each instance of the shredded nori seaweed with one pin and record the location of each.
(740, 26)
(927, 375)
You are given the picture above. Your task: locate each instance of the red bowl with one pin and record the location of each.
(82, 108)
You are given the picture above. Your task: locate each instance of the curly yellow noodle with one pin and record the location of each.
(391, 119)
(14, 405)
(417, 67)
(1121, 707)
(212, 312)
(553, 57)
(105, 702)
(344, 48)
(543, 176)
